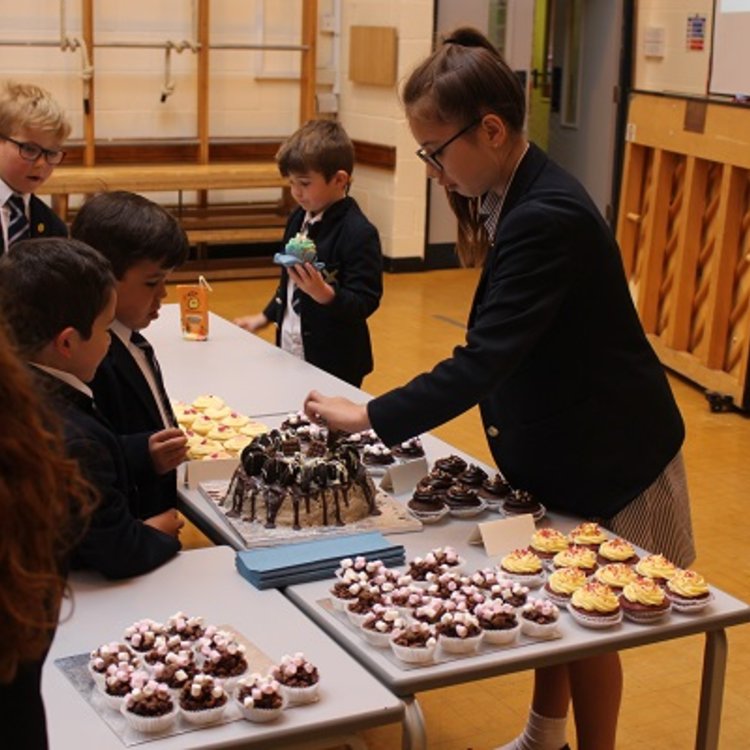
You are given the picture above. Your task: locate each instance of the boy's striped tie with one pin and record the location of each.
(18, 224)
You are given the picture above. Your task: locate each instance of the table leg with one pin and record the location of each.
(415, 736)
(712, 690)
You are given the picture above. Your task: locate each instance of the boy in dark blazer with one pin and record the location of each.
(58, 298)
(321, 315)
(33, 128)
(143, 243)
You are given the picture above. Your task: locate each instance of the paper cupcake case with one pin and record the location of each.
(297, 696)
(414, 655)
(595, 622)
(502, 637)
(689, 606)
(204, 716)
(150, 724)
(454, 645)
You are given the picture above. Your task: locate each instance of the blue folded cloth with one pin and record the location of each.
(287, 564)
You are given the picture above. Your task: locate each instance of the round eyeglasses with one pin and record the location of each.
(431, 157)
(32, 151)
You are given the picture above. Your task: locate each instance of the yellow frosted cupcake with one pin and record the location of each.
(657, 567)
(217, 413)
(562, 583)
(587, 534)
(216, 455)
(208, 401)
(643, 600)
(237, 443)
(615, 575)
(595, 605)
(253, 429)
(688, 591)
(235, 420)
(524, 566)
(617, 551)
(576, 557)
(221, 432)
(184, 414)
(548, 542)
(203, 448)
(202, 425)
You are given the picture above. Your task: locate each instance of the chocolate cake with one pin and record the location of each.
(277, 486)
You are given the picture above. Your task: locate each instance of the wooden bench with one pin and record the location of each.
(212, 224)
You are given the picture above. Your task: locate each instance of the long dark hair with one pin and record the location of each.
(41, 491)
(464, 79)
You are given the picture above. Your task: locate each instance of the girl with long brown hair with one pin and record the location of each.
(40, 492)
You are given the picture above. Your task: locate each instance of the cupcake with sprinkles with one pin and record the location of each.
(616, 575)
(562, 583)
(576, 557)
(595, 605)
(523, 566)
(617, 551)
(587, 534)
(688, 591)
(644, 601)
(656, 567)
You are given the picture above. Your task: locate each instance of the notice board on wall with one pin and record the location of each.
(730, 58)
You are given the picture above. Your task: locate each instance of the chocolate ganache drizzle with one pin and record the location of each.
(275, 473)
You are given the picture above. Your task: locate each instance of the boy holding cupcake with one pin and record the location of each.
(64, 336)
(143, 243)
(321, 308)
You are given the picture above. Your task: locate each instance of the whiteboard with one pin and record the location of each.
(730, 61)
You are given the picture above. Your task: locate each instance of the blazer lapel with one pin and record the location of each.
(134, 379)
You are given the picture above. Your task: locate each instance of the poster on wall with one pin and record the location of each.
(730, 51)
(696, 33)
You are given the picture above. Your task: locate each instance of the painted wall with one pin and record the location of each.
(679, 69)
(252, 94)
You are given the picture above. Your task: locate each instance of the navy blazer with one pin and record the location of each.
(123, 396)
(116, 543)
(43, 222)
(335, 337)
(575, 404)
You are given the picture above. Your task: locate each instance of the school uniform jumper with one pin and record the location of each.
(123, 396)
(335, 337)
(116, 543)
(574, 402)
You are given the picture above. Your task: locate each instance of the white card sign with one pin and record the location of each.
(402, 478)
(501, 537)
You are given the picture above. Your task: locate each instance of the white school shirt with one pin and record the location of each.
(66, 377)
(291, 323)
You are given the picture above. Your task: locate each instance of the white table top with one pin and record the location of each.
(250, 374)
(204, 582)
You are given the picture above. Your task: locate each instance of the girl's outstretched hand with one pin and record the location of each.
(336, 412)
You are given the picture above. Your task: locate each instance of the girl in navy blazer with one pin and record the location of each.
(575, 405)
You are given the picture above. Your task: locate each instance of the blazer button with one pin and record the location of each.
(492, 431)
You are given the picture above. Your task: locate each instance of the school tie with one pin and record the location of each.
(143, 344)
(18, 224)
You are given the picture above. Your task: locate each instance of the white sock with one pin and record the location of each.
(541, 733)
